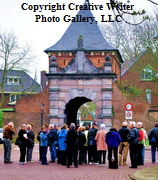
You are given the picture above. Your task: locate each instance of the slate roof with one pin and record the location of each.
(26, 82)
(93, 39)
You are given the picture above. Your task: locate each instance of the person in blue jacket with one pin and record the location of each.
(62, 137)
(113, 140)
(44, 145)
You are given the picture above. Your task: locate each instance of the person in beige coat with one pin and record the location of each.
(101, 145)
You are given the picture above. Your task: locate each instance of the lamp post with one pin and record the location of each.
(42, 113)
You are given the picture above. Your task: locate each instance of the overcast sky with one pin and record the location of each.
(42, 35)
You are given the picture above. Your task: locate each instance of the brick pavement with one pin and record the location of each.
(33, 171)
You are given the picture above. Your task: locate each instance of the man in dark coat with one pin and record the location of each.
(72, 145)
(124, 145)
(53, 137)
(133, 144)
(92, 146)
(154, 145)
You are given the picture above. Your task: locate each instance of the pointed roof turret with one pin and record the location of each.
(93, 38)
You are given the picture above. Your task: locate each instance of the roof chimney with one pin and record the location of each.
(43, 80)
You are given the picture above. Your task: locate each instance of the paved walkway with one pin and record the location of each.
(36, 171)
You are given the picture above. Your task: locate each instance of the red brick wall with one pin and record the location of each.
(133, 76)
(140, 109)
(28, 110)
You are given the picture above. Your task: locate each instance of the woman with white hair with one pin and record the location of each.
(101, 145)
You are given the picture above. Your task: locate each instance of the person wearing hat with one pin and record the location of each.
(92, 146)
(154, 145)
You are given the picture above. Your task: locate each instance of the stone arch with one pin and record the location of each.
(72, 107)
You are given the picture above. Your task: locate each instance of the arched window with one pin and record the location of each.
(147, 73)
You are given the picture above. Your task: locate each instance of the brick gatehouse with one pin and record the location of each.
(82, 67)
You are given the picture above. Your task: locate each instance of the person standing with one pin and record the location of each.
(30, 144)
(141, 142)
(62, 137)
(86, 129)
(113, 140)
(44, 145)
(145, 138)
(92, 146)
(81, 142)
(22, 135)
(53, 137)
(101, 145)
(72, 145)
(8, 132)
(124, 145)
(133, 144)
(154, 146)
(57, 128)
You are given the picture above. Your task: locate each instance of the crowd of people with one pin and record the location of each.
(81, 145)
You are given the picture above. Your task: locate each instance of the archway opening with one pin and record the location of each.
(86, 114)
(72, 107)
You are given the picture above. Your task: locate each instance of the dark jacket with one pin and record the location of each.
(72, 139)
(124, 133)
(81, 140)
(133, 136)
(53, 136)
(153, 132)
(113, 139)
(23, 141)
(31, 137)
(91, 136)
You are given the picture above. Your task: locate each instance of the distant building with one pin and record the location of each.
(17, 83)
(143, 74)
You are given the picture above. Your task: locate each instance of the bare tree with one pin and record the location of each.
(12, 56)
(122, 12)
(131, 40)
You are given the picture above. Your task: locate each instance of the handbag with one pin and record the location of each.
(17, 141)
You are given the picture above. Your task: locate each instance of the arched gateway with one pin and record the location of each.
(82, 66)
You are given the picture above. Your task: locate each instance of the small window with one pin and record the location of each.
(147, 74)
(12, 81)
(148, 95)
(14, 98)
